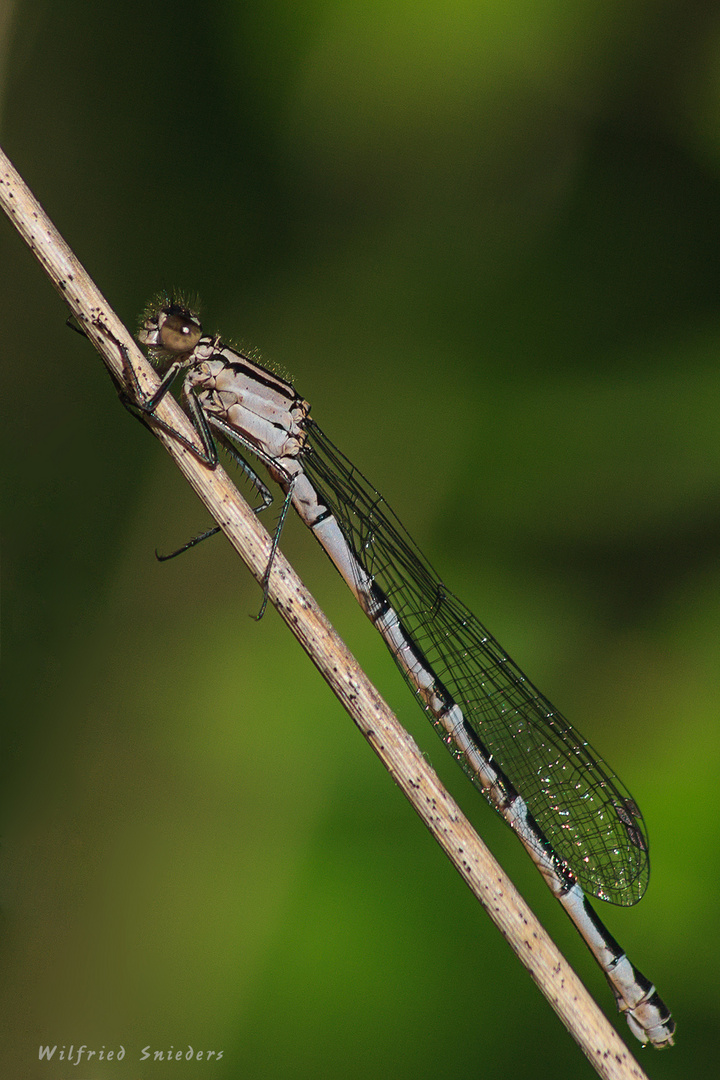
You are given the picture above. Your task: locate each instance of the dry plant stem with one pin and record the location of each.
(392, 744)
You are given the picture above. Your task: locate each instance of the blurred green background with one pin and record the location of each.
(484, 239)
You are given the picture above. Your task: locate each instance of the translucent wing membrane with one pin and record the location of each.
(583, 809)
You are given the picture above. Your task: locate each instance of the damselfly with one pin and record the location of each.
(578, 822)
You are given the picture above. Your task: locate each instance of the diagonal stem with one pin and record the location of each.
(392, 744)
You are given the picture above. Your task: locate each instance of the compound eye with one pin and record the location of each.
(179, 332)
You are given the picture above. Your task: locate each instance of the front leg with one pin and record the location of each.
(143, 408)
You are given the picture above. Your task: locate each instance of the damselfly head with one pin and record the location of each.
(172, 328)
